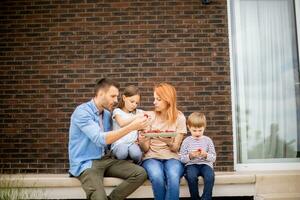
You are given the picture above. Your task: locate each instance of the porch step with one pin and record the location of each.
(279, 196)
(278, 182)
(278, 185)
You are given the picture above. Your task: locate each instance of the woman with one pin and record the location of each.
(161, 160)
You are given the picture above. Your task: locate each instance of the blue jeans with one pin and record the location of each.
(123, 151)
(192, 172)
(165, 177)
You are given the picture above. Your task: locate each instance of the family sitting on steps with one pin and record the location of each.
(139, 144)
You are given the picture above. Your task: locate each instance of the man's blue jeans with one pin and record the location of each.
(192, 172)
(165, 177)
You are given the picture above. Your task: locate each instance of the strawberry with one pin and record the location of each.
(169, 131)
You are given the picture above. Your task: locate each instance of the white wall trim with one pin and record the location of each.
(253, 166)
(232, 84)
(267, 166)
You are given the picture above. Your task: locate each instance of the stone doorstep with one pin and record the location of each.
(279, 196)
(63, 180)
(279, 186)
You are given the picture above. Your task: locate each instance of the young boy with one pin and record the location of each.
(198, 154)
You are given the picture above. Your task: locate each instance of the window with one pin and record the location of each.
(265, 82)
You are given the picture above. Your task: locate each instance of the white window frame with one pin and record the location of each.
(255, 166)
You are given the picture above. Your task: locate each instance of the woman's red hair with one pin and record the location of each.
(168, 93)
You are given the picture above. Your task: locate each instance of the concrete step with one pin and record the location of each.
(285, 182)
(279, 196)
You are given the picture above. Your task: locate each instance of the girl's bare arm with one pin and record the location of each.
(125, 122)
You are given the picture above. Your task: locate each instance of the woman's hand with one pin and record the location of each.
(143, 141)
(168, 140)
(173, 142)
(142, 137)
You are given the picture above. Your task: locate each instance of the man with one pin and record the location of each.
(89, 136)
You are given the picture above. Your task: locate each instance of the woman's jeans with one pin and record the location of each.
(192, 172)
(165, 177)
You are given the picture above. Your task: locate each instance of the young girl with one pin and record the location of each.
(126, 147)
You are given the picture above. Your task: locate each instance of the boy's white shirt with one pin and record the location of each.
(131, 137)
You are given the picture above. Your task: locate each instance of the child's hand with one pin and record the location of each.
(139, 115)
(203, 153)
(199, 153)
(194, 154)
(139, 123)
(147, 115)
(143, 115)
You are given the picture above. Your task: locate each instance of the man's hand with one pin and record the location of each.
(139, 123)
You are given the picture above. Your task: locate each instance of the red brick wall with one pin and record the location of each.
(53, 51)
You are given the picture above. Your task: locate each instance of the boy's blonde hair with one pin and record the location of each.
(197, 120)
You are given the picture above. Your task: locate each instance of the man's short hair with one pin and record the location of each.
(104, 84)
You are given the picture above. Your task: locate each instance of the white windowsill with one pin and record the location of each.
(267, 166)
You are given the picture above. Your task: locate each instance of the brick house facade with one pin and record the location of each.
(53, 51)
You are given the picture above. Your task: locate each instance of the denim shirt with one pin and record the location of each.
(86, 138)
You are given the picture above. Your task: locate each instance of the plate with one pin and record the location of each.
(160, 134)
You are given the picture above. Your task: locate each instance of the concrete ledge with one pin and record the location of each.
(63, 180)
(61, 186)
(264, 185)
